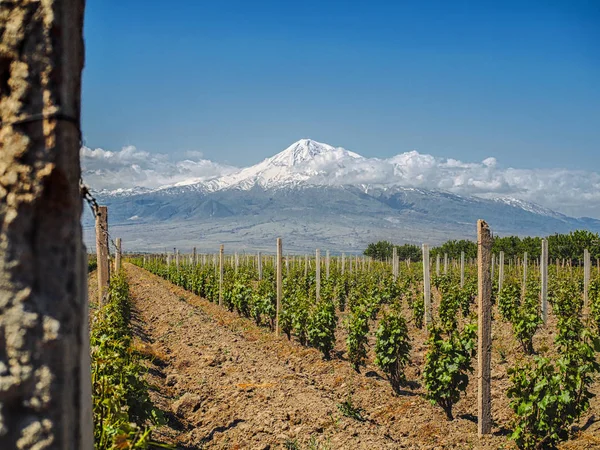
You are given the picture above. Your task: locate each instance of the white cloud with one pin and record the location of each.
(130, 167)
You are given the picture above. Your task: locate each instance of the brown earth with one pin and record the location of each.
(225, 383)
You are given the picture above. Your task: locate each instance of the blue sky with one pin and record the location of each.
(241, 80)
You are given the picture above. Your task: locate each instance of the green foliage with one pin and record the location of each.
(447, 364)
(321, 327)
(263, 304)
(527, 319)
(241, 295)
(121, 404)
(454, 249)
(594, 298)
(548, 397)
(417, 306)
(92, 263)
(358, 329)
(524, 315)
(392, 348)
(509, 300)
(348, 409)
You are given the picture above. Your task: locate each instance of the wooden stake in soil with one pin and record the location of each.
(279, 284)
(318, 274)
(484, 346)
(102, 252)
(194, 257)
(500, 271)
(445, 263)
(395, 263)
(586, 276)
(437, 265)
(327, 264)
(221, 254)
(118, 255)
(462, 269)
(343, 262)
(426, 285)
(260, 269)
(544, 279)
(524, 286)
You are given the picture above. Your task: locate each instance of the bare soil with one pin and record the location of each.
(225, 383)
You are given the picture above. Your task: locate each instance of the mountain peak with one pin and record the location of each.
(300, 152)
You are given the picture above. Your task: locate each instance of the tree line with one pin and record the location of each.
(562, 246)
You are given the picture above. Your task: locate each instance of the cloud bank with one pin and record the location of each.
(130, 168)
(572, 192)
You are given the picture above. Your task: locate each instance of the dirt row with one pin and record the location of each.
(225, 383)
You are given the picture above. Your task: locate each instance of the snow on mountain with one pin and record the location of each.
(302, 161)
(528, 206)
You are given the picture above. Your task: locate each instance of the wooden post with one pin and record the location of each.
(221, 273)
(484, 344)
(279, 284)
(318, 274)
(177, 259)
(586, 276)
(118, 255)
(259, 263)
(395, 263)
(524, 287)
(493, 266)
(544, 279)
(462, 269)
(237, 262)
(500, 271)
(437, 265)
(445, 263)
(426, 285)
(327, 264)
(305, 266)
(102, 252)
(45, 388)
(343, 262)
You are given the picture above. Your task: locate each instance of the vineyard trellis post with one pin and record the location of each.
(437, 265)
(462, 269)
(221, 254)
(500, 271)
(259, 264)
(544, 279)
(586, 277)
(279, 285)
(118, 255)
(343, 262)
(524, 285)
(327, 264)
(484, 344)
(102, 252)
(445, 263)
(426, 285)
(318, 274)
(194, 257)
(44, 339)
(395, 263)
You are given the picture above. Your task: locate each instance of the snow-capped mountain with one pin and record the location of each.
(313, 194)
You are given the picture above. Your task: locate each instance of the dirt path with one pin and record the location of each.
(227, 384)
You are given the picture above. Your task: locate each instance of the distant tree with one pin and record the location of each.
(383, 250)
(410, 251)
(454, 248)
(379, 250)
